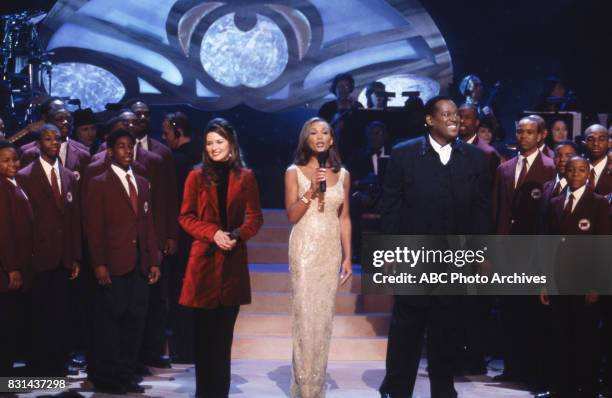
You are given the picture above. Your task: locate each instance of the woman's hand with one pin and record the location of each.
(347, 271)
(15, 280)
(315, 182)
(544, 298)
(223, 240)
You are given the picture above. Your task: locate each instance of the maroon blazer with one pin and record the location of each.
(118, 237)
(169, 169)
(548, 152)
(604, 184)
(16, 237)
(153, 171)
(578, 264)
(590, 216)
(77, 158)
(57, 231)
(492, 156)
(222, 278)
(515, 211)
(99, 165)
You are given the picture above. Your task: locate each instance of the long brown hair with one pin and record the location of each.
(303, 153)
(227, 131)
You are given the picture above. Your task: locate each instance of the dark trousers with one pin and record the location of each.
(154, 338)
(180, 318)
(475, 313)
(409, 324)
(214, 332)
(50, 330)
(121, 309)
(524, 324)
(13, 330)
(575, 339)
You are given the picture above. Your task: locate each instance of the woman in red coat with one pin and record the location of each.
(221, 212)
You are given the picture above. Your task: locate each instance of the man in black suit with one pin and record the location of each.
(434, 185)
(367, 168)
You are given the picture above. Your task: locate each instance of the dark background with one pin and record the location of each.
(518, 43)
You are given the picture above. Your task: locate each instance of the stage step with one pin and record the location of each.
(263, 328)
(361, 325)
(341, 348)
(276, 279)
(274, 302)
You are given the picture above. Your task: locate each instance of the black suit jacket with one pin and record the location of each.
(407, 206)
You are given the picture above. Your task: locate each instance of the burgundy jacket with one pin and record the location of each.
(581, 265)
(221, 279)
(118, 237)
(169, 170)
(153, 172)
(57, 231)
(492, 156)
(515, 211)
(604, 184)
(77, 158)
(590, 216)
(16, 225)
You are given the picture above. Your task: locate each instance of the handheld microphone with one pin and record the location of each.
(322, 158)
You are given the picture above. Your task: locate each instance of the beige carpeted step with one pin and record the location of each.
(346, 303)
(360, 325)
(341, 348)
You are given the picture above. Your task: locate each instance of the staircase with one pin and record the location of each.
(263, 328)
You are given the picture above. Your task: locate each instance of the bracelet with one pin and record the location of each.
(305, 200)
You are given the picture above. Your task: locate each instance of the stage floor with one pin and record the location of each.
(271, 379)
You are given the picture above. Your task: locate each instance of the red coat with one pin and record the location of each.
(223, 278)
(16, 224)
(57, 231)
(114, 232)
(77, 158)
(516, 211)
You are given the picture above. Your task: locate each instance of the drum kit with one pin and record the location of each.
(25, 68)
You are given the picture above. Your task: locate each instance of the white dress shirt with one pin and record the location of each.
(562, 183)
(519, 165)
(375, 158)
(47, 168)
(12, 180)
(471, 140)
(122, 177)
(577, 195)
(144, 144)
(443, 151)
(599, 169)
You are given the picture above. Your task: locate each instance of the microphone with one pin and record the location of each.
(322, 158)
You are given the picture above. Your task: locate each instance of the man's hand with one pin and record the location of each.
(102, 275)
(15, 280)
(169, 247)
(76, 269)
(154, 274)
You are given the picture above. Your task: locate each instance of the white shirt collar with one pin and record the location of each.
(12, 180)
(47, 167)
(443, 151)
(122, 177)
(599, 169)
(561, 181)
(530, 158)
(577, 195)
(144, 142)
(471, 140)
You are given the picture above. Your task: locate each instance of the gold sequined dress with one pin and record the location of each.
(315, 255)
